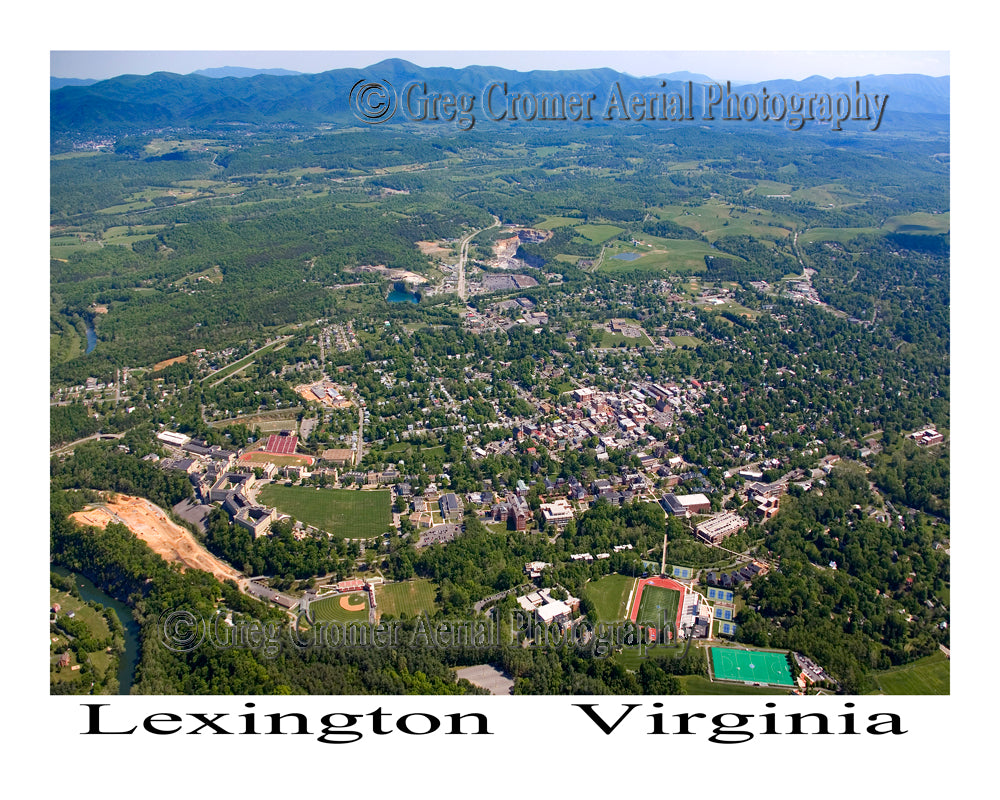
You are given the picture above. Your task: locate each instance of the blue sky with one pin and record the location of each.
(720, 65)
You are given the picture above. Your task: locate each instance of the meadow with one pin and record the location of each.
(928, 675)
(609, 595)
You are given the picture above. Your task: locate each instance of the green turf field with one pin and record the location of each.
(330, 610)
(928, 675)
(758, 666)
(411, 598)
(344, 512)
(609, 595)
(658, 605)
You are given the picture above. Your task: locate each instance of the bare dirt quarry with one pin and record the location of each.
(166, 538)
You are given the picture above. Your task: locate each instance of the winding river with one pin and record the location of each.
(130, 658)
(91, 336)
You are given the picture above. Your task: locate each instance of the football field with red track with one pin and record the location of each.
(659, 594)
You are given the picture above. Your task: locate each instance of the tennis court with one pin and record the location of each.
(751, 666)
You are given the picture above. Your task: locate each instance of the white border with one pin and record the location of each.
(541, 745)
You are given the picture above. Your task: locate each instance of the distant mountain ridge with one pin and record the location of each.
(241, 72)
(58, 83)
(141, 102)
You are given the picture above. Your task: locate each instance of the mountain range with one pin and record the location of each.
(130, 103)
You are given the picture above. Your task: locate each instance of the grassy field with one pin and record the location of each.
(258, 457)
(686, 341)
(697, 684)
(773, 187)
(330, 610)
(549, 223)
(344, 512)
(96, 625)
(928, 675)
(842, 235)
(609, 339)
(598, 233)
(716, 218)
(678, 256)
(276, 425)
(609, 595)
(632, 657)
(92, 619)
(63, 246)
(920, 223)
(409, 597)
(828, 195)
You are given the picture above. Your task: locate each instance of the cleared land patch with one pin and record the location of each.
(166, 538)
(842, 235)
(920, 222)
(598, 233)
(682, 256)
(551, 223)
(167, 362)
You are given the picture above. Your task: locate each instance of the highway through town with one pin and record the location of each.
(463, 255)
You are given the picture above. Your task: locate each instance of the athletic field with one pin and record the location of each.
(609, 596)
(753, 666)
(341, 608)
(657, 600)
(343, 512)
(411, 598)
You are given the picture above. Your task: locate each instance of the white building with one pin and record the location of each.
(557, 513)
(172, 438)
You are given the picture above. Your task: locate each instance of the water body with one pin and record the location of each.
(91, 336)
(401, 296)
(130, 658)
(627, 256)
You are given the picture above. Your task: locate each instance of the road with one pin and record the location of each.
(463, 293)
(67, 447)
(277, 341)
(360, 452)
